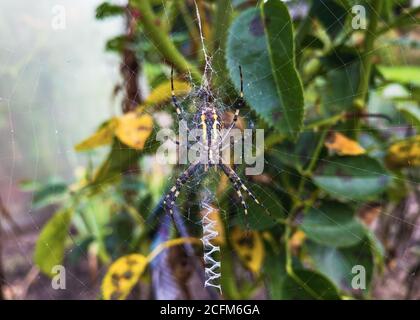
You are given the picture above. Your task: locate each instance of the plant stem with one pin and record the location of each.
(130, 70)
(405, 19)
(297, 203)
(223, 15)
(326, 121)
(317, 151)
(289, 267)
(366, 63)
(170, 15)
(162, 41)
(314, 159)
(192, 29)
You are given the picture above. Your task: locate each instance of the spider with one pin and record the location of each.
(207, 116)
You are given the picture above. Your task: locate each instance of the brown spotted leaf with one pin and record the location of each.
(122, 276)
(133, 129)
(404, 153)
(342, 145)
(249, 247)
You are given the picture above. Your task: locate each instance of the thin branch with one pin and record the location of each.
(406, 19)
(130, 68)
(162, 41)
(366, 63)
(371, 34)
(191, 26)
(222, 19)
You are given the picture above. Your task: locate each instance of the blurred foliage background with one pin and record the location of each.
(336, 92)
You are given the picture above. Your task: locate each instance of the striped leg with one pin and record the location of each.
(175, 102)
(239, 103)
(236, 180)
(173, 194)
(238, 185)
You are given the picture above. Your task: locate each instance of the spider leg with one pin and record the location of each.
(239, 103)
(178, 108)
(235, 179)
(170, 198)
(237, 188)
(174, 99)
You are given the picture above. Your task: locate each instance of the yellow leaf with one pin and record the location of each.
(162, 92)
(343, 145)
(101, 137)
(133, 129)
(126, 271)
(249, 247)
(404, 153)
(122, 276)
(297, 239)
(214, 216)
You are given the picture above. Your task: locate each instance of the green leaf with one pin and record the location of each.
(281, 286)
(117, 44)
(260, 49)
(313, 42)
(238, 3)
(312, 285)
(411, 113)
(48, 194)
(338, 263)
(377, 249)
(49, 248)
(30, 185)
(274, 273)
(401, 74)
(279, 32)
(333, 224)
(119, 160)
(261, 218)
(105, 10)
(296, 154)
(341, 80)
(331, 14)
(351, 178)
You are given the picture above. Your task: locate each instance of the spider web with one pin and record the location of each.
(53, 152)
